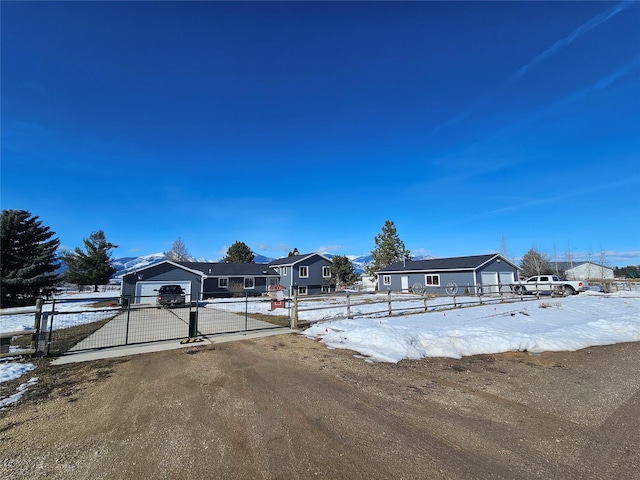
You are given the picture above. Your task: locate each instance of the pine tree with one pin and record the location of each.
(389, 249)
(535, 263)
(179, 252)
(342, 271)
(92, 267)
(239, 252)
(28, 258)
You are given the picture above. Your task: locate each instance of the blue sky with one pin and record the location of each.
(307, 125)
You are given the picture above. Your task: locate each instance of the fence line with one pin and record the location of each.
(59, 327)
(392, 302)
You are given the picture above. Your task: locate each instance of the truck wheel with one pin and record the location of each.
(517, 289)
(568, 290)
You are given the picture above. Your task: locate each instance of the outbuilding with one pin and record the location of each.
(491, 273)
(582, 271)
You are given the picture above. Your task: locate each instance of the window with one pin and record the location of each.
(223, 283)
(386, 280)
(304, 272)
(326, 272)
(326, 289)
(433, 280)
(283, 271)
(248, 282)
(302, 290)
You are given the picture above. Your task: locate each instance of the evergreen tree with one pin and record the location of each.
(179, 252)
(535, 263)
(389, 249)
(342, 271)
(28, 258)
(92, 267)
(239, 252)
(294, 253)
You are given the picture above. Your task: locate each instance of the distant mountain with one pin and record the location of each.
(126, 264)
(263, 259)
(359, 263)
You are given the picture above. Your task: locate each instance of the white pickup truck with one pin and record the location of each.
(549, 284)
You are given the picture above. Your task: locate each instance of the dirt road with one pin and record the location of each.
(287, 407)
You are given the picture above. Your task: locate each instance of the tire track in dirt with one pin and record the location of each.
(360, 433)
(287, 407)
(614, 451)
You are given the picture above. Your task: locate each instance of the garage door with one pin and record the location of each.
(506, 279)
(489, 282)
(146, 291)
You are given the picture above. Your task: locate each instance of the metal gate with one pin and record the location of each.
(74, 331)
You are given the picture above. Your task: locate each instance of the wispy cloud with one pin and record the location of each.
(577, 33)
(267, 247)
(329, 249)
(555, 48)
(631, 257)
(573, 97)
(557, 200)
(604, 83)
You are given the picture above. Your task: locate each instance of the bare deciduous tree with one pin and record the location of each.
(589, 259)
(603, 262)
(568, 256)
(178, 252)
(504, 251)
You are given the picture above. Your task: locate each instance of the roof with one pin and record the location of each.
(153, 265)
(218, 269)
(564, 266)
(208, 269)
(293, 259)
(440, 264)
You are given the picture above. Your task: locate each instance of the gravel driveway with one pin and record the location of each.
(140, 325)
(287, 407)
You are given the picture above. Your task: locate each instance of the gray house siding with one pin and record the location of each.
(498, 267)
(465, 272)
(313, 282)
(462, 279)
(203, 278)
(212, 287)
(162, 272)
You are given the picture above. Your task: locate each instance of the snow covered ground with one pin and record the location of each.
(22, 318)
(548, 324)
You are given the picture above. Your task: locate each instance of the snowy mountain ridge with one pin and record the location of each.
(126, 264)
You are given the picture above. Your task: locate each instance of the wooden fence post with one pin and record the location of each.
(294, 319)
(389, 302)
(42, 335)
(36, 325)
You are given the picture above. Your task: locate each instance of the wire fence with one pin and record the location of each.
(71, 330)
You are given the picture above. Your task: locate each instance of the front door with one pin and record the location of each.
(404, 283)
